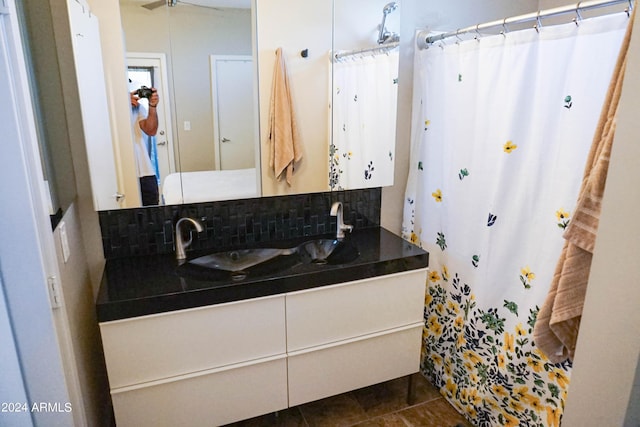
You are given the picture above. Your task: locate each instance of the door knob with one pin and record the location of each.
(161, 143)
(118, 196)
(225, 140)
(161, 132)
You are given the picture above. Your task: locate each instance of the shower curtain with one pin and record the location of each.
(501, 131)
(364, 121)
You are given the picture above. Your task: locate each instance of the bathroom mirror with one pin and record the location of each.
(199, 57)
(365, 88)
(159, 43)
(46, 88)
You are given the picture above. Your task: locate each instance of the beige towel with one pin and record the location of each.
(284, 140)
(556, 329)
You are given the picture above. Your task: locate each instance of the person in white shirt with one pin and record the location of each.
(144, 118)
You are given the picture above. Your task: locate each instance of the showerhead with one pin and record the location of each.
(389, 7)
(385, 36)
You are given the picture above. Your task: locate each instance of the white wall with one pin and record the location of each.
(79, 309)
(309, 78)
(111, 37)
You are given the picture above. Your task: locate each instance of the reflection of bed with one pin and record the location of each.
(207, 186)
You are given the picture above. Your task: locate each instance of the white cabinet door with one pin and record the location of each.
(337, 368)
(207, 398)
(333, 313)
(148, 348)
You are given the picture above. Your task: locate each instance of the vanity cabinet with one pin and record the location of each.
(226, 362)
(352, 335)
(202, 366)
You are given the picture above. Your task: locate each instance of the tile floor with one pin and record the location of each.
(381, 405)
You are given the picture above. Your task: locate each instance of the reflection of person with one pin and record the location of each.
(144, 118)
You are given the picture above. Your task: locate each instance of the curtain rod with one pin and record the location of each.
(378, 49)
(424, 41)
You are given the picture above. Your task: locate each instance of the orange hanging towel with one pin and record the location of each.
(558, 322)
(284, 139)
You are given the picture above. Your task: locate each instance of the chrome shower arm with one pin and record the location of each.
(383, 34)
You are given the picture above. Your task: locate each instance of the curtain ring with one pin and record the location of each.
(457, 36)
(504, 26)
(538, 23)
(478, 35)
(578, 14)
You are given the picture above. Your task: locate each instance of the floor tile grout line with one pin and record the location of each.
(396, 411)
(304, 419)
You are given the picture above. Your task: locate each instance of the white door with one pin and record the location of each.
(155, 66)
(87, 53)
(31, 340)
(233, 111)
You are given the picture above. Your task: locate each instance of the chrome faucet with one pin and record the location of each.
(336, 210)
(180, 244)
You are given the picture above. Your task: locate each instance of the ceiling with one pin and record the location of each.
(237, 4)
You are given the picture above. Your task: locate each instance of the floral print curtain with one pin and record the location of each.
(365, 90)
(501, 130)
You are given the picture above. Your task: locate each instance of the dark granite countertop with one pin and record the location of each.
(137, 286)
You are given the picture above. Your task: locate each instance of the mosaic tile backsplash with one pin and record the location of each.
(235, 223)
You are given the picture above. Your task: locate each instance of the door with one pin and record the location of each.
(150, 69)
(33, 341)
(87, 53)
(233, 111)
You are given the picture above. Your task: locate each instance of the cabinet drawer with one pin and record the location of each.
(333, 369)
(159, 346)
(333, 313)
(207, 399)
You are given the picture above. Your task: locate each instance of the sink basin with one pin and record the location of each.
(239, 260)
(328, 251)
(318, 250)
(237, 264)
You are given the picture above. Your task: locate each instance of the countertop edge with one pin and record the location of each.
(130, 308)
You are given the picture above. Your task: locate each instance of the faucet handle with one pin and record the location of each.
(335, 207)
(341, 227)
(180, 244)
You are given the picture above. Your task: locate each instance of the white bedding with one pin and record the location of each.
(208, 186)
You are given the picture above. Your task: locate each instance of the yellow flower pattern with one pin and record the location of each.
(526, 276)
(478, 346)
(509, 147)
(493, 374)
(445, 273)
(563, 218)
